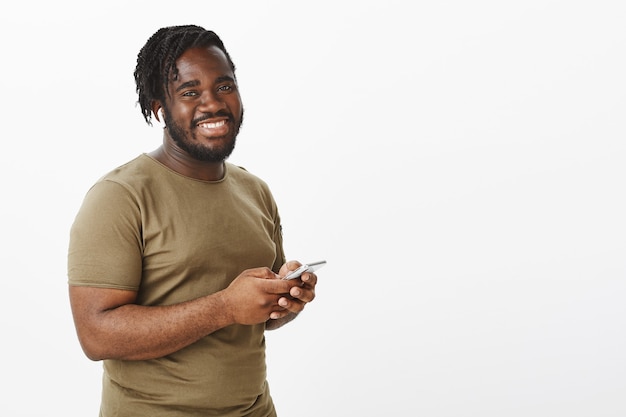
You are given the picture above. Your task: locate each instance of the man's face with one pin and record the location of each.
(203, 112)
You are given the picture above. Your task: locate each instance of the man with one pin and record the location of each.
(175, 258)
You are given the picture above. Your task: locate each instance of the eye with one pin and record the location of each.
(226, 88)
(190, 94)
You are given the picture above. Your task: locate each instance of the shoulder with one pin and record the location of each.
(137, 174)
(246, 182)
(241, 174)
(140, 166)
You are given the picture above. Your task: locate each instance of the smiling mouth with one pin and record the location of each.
(212, 125)
(215, 129)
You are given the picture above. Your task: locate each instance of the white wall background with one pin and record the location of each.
(461, 166)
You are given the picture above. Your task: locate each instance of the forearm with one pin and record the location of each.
(110, 325)
(136, 332)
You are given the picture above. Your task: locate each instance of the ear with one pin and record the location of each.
(157, 110)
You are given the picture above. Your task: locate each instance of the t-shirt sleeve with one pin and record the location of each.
(277, 236)
(105, 248)
(278, 241)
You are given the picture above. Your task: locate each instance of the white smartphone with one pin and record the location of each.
(310, 267)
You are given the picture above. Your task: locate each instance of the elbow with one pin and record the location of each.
(92, 349)
(93, 343)
(92, 356)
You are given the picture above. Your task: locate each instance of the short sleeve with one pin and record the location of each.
(105, 248)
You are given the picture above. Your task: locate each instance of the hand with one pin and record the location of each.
(255, 295)
(300, 294)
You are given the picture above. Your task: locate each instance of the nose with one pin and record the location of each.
(211, 102)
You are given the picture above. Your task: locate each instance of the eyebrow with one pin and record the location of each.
(224, 78)
(192, 83)
(195, 83)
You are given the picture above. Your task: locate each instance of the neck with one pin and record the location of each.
(178, 160)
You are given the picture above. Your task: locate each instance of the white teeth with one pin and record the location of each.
(212, 125)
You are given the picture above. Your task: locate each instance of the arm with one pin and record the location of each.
(110, 326)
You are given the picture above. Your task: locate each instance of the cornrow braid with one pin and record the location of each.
(156, 61)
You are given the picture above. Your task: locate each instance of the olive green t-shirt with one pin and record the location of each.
(146, 228)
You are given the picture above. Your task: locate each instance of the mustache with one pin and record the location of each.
(207, 116)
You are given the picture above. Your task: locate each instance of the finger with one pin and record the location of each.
(293, 265)
(302, 294)
(292, 305)
(283, 302)
(264, 272)
(309, 278)
(278, 286)
(279, 314)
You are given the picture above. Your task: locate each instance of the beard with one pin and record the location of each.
(184, 138)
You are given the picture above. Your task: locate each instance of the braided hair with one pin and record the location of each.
(156, 61)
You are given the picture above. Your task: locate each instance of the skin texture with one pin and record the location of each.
(108, 322)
